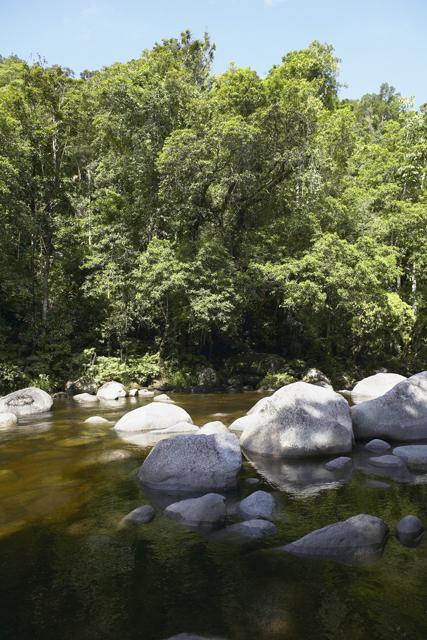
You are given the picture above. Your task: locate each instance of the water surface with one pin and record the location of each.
(69, 570)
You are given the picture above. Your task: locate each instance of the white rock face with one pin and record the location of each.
(374, 386)
(163, 397)
(111, 391)
(8, 420)
(132, 393)
(238, 426)
(26, 402)
(85, 397)
(211, 428)
(400, 414)
(299, 420)
(97, 420)
(145, 393)
(258, 405)
(153, 417)
(192, 463)
(206, 511)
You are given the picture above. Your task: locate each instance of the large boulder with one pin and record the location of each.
(111, 391)
(8, 420)
(193, 464)
(360, 538)
(26, 402)
(153, 417)
(299, 420)
(374, 386)
(208, 511)
(400, 414)
(85, 384)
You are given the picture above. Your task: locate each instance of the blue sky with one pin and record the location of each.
(377, 40)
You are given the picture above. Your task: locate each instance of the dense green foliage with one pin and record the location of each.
(154, 208)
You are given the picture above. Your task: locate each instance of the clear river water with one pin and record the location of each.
(69, 570)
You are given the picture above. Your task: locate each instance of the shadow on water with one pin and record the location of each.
(70, 570)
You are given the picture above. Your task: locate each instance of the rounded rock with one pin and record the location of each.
(192, 463)
(152, 417)
(259, 504)
(26, 402)
(409, 531)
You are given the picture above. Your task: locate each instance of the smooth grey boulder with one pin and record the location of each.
(111, 391)
(240, 424)
(377, 446)
(374, 386)
(85, 398)
(249, 529)
(414, 455)
(132, 393)
(410, 531)
(358, 539)
(208, 511)
(163, 397)
(26, 402)
(192, 463)
(300, 420)
(152, 417)
(258, 505)
(338, 464)
(8, 420)
(400, 414)
(96, 420)
(140, 515)
(213, 427)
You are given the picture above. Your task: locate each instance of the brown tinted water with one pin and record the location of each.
(69, 570)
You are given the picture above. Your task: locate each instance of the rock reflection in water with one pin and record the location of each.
(301, 478)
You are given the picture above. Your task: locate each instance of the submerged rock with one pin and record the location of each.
(250, 529)
(8, 420)
(387, 462)
(414, 455)
(410, 531)
(338, 464)
(258, 505)
(374, 386)
(400, 414)
(140, 515)
(153, 417)
(111, 391)
(358, 539)
(192, 463)
(377, 446)
(207, 511)
(299, 420)
(85, 398)
(97, 420)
